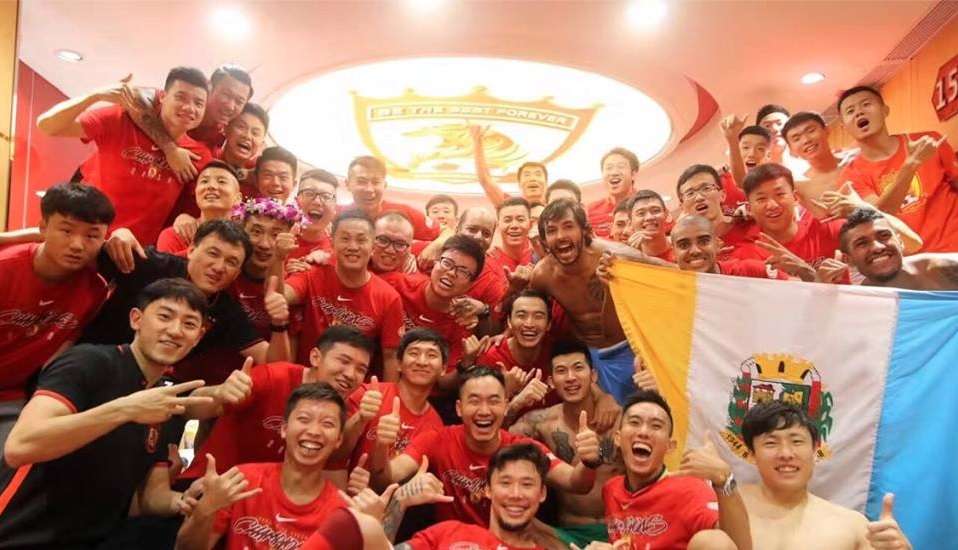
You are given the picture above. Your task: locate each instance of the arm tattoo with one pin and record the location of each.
(528, 424)
(563, 448)
(606, 450)
(392, 518)
(595, 289)
(148, 121)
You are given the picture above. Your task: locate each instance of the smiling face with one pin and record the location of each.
(703, 196)
(532, 183)
(772, 204)
(391, 244)
(166, 330)
(875, 250)
(227, 100)
(529, 321)
(213, 263)
(442, 214)
(649, 217)
(217, 190)
(244, 138)
(572, 377)
(182, 107)
(564, 238)
(863, 115)
(773, 122)
(620, 227)
(617, 175)
(353, 244)
(754, 150)
(342, 366)
(695, 245)
(263, 231)
(274, 179)
(515, 492)
(785, 458)
(69, 243)
(644, 439)
(421, 364)
(367, 186)
(808, 140)
(514, 225)
(482, 406)
(317, 200)
(452, 274)
(480, 224)
(312, 432)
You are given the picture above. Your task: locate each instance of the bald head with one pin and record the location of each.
(695, 244)
(479, 223)
(693, 221)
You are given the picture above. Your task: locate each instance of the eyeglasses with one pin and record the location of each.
(703, 190)
(311, 195)
(397, 245)
(449, 265)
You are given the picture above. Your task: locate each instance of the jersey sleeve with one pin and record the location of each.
(352, 402)
(864, 184)
(946, 154)
(299, 282)
(701, 510)
(100, 124)
(168, 241)
(392, 329)
(429, 539)
(422, 444)
(70, 378)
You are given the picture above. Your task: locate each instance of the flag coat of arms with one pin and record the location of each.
(874, 368)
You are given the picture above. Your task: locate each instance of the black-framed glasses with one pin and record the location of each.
(311, 195)
(461, 271)
(704, 189)
(396, 244)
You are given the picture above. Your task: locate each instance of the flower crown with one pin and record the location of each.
(271, 208)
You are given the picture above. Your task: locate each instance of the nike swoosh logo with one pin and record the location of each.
(246, 296)
(407, 427)
(45, 302)
(473, 467)
(426, 319)
(341, 299)
(283, 519)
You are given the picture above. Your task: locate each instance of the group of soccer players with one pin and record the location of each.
(433, 378)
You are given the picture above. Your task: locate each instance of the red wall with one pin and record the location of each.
(38, 161)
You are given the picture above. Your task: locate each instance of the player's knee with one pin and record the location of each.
(711, 539)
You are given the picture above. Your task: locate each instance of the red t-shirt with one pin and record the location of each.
(599, 214)
(501, 356)
(664, 515)
(456, 535)
(814, 242)
(931, 206)
(416, 313)
(756, 269)
(171, 242)
(422, 228)
(304, 247)
(374, 309)
(270, 519)
(246, 173)
(736, 235)
(462, 471)
(668, 255)
(733, 193)
(130, 169)
(410, 423)
(211, 135)
(503, 259)
(38, 316)
(491, 285)
(249, 431)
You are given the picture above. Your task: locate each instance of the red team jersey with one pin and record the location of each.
(37, 316)
(410, 423)
(455, 535)
(171, 242)
(462, 471)
(249, 431)
(130, 169)
(503, 259)
(664, 515)
(270, 520)
(304, 247)
(931, 205)
(501, 357)
(756, 269)
(491, 285)
(374, 309)
(733, 193)
(814, 242)
(599, 214)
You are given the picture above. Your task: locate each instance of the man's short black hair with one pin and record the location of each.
(568, 185)
(173, 288)
(801, 118)
(769, 109)
(556, 210)
(352, 214)
(527, 452)
(569, 346)
(189, 75)
(77, 200)
(513, 201)
(858, 217)
(622, 152)
(755, 130)
(857, 89)
(316, 391)
(227, 230)
(343, 334)
(319, 174)
(236, 72)
(647, 396)
(420, 334)
(443, 199)
(277, 153)
(480, 371)
(763, 173)
(217, 163)
(468, 246)
(532, 164)
(693, 171)
(624, 205)
(645, 195)
(510, 301)
(258, 112)
(775, 415)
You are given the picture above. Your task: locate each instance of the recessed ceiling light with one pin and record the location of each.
(647, 13)
(70, 56)
(231, 22)
(812, 78)
(424, 5)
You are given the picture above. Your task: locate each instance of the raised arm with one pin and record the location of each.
(919, 151)
(495, 194)
(731, 126)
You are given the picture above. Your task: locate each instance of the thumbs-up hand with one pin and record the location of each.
(886, 534)
(423, 488)
(222, 490)
(237, 387)
(643, 377)
(705, 463)
(274, 301)
(587, 442)
(387, 431)
(371, 402)
(832, 270)
(286, 242)
(534, 392)
(358, 477)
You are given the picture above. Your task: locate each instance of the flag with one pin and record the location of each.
(874, 368)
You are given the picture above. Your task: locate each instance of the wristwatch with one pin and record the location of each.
(728, 487)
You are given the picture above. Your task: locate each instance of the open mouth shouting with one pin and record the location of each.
(566, 252)
(244, 147)
(446, 283)
(315, 214)
(310, 448)
(484, 426)
(641, 452)
(863, 124)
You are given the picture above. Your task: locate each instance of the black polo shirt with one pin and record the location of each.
(76, 500)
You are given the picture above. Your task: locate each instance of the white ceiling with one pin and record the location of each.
(744, 53)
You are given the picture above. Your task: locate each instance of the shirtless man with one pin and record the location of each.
(782, 513)
(873, 246)
(581, 517)
(567, 274)
(807, 137)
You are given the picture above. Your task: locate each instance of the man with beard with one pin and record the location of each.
(620, 167)
(807, 138)
(515, 486)
(650, 219)
(347, 293)
(913, 176)
(391, 245)
(366, 181)
(872, 245)
(531, 176)
(217, 192)
(96, 430)
(782, 513)
(581, 517)
(459, 455)
(700, 192)
(621, 222)
(250, 407)
(697, 249)
(686, 511)
(513, 221)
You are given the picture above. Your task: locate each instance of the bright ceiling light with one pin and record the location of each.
(647, 13)
(70, 56)
(230, 22)
(424, 5)
(812, 78)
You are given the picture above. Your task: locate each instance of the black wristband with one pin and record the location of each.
(278, 328)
